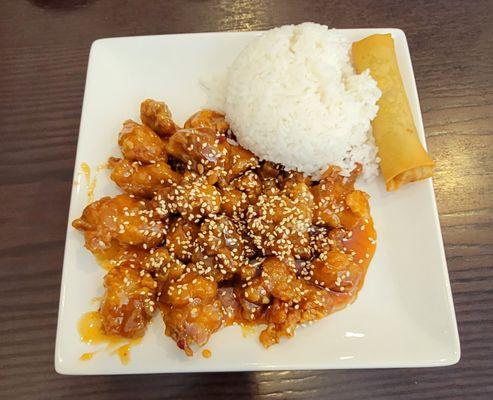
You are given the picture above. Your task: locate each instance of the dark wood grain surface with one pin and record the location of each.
(44, 49)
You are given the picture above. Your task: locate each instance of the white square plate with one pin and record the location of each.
(404, 315)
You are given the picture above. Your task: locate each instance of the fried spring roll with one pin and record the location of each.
(403, 158)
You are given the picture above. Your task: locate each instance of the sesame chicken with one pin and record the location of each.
(193, 198)
(190, 310)
(128, 220)
(208, 119)
(181, 238)
(211, 236)
(157, 116)
(128, 303)
(142, 180)
(205, 151)
(140, 143)
(336, 271)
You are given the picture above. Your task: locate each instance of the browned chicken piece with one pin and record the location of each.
(282, 322)
(142, 180)
(295, 187)
(357, 201)
(283, 316)
(157, 116)
(320, 241)
(272, 177)
(230, 304)
(181, 238)
(240, 160)
(330, 199)
(200, 149)
(157, 260)
(279, 226)
(279, 279)
(191, 311)
(140, 143)
(208, 119)
(206, 266)
(204, 151)
(269, 170)
(170, 268)
(336, 271)
(121, 218)
(250, 184)
(234, 202)
(128, 303)
(275, 279)
(218, 237)
(193, 198)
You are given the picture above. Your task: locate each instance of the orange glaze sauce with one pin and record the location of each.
(90, 331)
(91, 183)
(206, 353)
(87, 356)
(124, 353)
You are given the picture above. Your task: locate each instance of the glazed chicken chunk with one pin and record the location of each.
(190, 310)
(128, 303)
(139, 143)
(204, 151)
(157, 116)
(193, 198)
(208, 119)
(142, 180)
(122, 218)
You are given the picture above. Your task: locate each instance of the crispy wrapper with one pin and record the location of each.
(403, 157)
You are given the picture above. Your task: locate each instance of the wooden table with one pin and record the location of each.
(43, 57)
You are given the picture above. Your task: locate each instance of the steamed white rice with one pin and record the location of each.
(292, 97)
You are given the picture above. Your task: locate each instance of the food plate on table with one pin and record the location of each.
(267, 236)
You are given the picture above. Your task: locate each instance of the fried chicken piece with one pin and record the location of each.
(128, 303)
(276, 280)
(191, 311)
(279, 226)
(336, 271)
(234, 202)
(250, 184)
(121, 218)
(330, 207)
(181, 238)
(283, 317)
(140, 143)
(157, 116)
(193, 198)
(142, 180)
(200, 149)
(204, 151)
(208, 119)
(231, 307)
(239, 161)
(218, 237)
(271, 175)
(280, 280)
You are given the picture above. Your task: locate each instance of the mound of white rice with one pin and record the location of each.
(292, 97)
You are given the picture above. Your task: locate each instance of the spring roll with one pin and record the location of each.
(402, 156)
